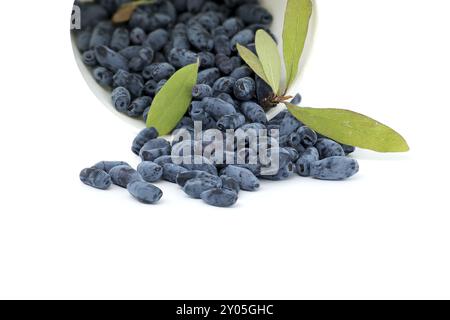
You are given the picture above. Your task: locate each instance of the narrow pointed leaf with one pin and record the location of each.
(270, 59)
(296, 22)
(173, 100)
(125, 11)
(252, 61)
(351, 128)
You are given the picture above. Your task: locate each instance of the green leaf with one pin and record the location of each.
(296, 21)
(270, 58)
(173, 100)
(351, 128)
(252, 61)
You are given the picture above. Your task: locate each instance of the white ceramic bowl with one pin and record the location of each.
(276, 7)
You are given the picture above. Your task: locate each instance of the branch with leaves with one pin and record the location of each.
(344, 126)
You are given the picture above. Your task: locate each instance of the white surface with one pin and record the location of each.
(384, 234)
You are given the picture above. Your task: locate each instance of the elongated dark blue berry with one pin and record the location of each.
(121, 99)
(254, 13)
(208, 76)
(91, 14)
(334, 168)
(142, 138)
(101, 35)
(224, 63)
(110, 59)
(307, 136)
(222, 45)
(209, 19)
(132, 81)
(89, 58)
(194, 5)
(158, 21)
(137, 36)
(218, 108)
(145, 192)
(95, 178)
(247, 180)
(297, 99)
(254, 112)
(207, 60)
(294, 139)
(232, 121)
(150, 171)
(195, 187)
(184, 177)
(154, 149)
(201, 91)
(199, 163)
(171, 171)
(243, 37)
(227, 98)
(241, 72)
(283, 174)
(179, 37)
(182, 57)
(103, 76)
(233, 26)
(219, 197)
(108, 165)
(143, 59)
(123, 175)
(157, 39)
(199, 37)
(303, 164)
(120, 39)
(83, 39)
(230, 184)
(130, 52)
(294, 153)
(244, 89)
(137, 107)
(161, 161)
(150, 88)
(264, 94)
(289, 124)
(348, 149)
(158, 71)
(224, 85)
(329, 148)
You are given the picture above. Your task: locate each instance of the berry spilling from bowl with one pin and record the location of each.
(147, 52)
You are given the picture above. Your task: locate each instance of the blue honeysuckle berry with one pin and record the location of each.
(220, 197)
(334, 168)
(144, 192)
(303, 163)
(245, 89)
(247, 180)
(123, 175)
(150, 171)
(195, 187)
(328, 148)
(144, 136)
(95, 178)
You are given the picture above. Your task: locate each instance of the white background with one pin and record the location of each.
(383, 234)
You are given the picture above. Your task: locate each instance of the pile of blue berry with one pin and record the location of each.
(136, 59)
(301, 151)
